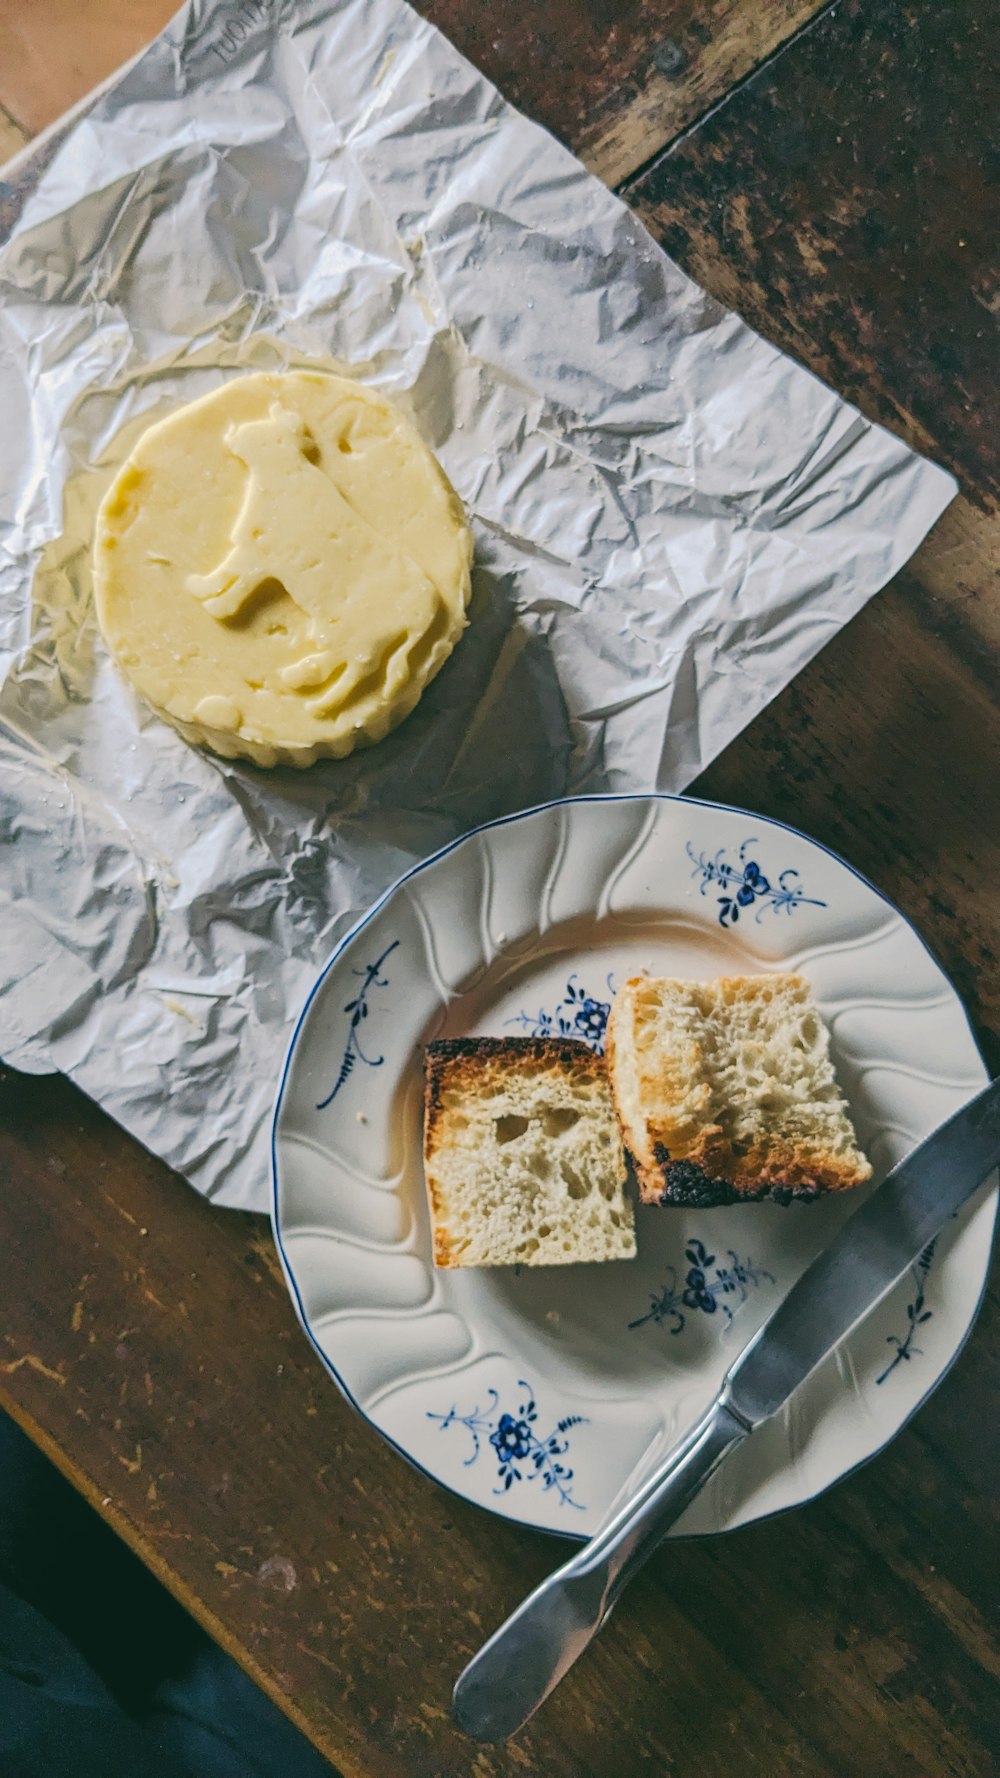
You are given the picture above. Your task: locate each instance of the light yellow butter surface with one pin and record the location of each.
(282, 566)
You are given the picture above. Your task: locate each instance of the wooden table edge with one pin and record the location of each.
(112, 1515)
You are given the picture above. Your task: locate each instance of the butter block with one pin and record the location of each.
(281, 567)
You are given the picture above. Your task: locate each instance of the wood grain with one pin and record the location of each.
(149, 1343)
(147, 1340)
(618, 79)
(12, 138)
(614, 78)
(887, 749)
(847, 200)
(843, 199)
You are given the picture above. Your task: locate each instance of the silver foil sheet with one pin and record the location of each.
(670, 519)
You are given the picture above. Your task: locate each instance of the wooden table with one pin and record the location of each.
(826, 170)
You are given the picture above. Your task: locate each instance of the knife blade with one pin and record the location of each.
(865, 1259)
(528, 1655)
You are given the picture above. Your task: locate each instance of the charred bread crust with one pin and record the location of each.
(464, 1063)
(516, 1052)
(696, 1184)
(688, 1185)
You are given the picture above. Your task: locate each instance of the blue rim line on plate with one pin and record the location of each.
(635, 796)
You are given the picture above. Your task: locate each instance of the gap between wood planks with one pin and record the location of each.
(12, 138)
(772, 44)
(680, 79)
(964, 533)
(672, 103)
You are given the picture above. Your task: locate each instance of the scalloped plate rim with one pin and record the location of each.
(655, 796)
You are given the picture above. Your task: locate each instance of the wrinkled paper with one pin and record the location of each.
(670, 520)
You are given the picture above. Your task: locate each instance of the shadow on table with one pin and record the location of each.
(102, 1673)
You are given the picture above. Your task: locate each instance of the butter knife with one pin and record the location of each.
(527, 1656)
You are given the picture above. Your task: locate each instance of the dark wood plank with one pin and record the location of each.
(887, 749)
(855, 1636)
(618, 79)
(149, 1344)
(614, 78)
(845, 199)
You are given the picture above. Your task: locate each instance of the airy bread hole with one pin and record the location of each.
(310, 449)
(517, 1166)
(747, 1058)
(557, 1119)
(510, 1126)
(576, 1187)
(344, 445)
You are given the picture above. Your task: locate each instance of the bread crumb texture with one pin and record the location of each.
(726, 1091)
(523, 1156)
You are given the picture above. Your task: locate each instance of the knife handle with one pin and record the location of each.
(527, 1656)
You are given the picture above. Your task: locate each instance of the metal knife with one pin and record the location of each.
(526, 1658)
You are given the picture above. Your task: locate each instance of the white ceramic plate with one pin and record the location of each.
(536, 1392)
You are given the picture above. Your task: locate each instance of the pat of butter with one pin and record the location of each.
(282, 566)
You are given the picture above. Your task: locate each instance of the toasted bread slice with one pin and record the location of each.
(726, 1092)
(522, 1154)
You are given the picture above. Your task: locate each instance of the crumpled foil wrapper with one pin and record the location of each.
(670, 518)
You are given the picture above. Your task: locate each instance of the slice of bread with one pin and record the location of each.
(522, 1154)
(726, 1092)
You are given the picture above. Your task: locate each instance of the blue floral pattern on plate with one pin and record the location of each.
(522, 1455)
(371, 977)
(579, 1014)
(744, 885)
(916, 1314)
(624, 856)
(706, 1286)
